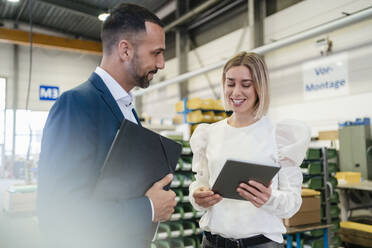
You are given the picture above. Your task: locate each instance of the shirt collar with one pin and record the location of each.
(114, 87)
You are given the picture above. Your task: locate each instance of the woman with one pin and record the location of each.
(247, 135)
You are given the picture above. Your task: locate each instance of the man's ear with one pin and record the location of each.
(125, 50)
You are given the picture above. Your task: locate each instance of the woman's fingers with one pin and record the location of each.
(259, 186)
(206, 199)
(202, 194)
(246, 194)
(255, 192)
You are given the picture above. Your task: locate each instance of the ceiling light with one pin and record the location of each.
(103, 16)
(13, 1)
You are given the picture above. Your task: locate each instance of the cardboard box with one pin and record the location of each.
(328, 135)
(309, 212)
(20, 199)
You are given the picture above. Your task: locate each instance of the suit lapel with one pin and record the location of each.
(106, 95)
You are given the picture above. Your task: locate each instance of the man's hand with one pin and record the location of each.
(205, 197)
(163, 201)
(255, 192)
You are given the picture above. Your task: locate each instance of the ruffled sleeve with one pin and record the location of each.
(292, 140)
(198, 143)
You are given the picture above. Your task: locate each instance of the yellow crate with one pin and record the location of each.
(179, 106)
(197, 103)
(356, 226)
(218, 105)
(194, 116)
(192, 103)
(348, 177)
(208, 116)
(309, 192)
(178, 119)
(207, 104)
(199, 116)
(219, 116)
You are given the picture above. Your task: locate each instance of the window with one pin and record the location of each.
(2, 110)
(8, 132)
(27, 123)
(2, 123)
(26, 120)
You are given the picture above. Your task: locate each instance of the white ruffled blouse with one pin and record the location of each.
(283, 144)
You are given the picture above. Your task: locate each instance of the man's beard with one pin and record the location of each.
(141, 81)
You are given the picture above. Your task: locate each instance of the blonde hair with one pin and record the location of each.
(260, 75)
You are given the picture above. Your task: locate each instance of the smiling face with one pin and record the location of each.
(148, 56)
(239, 90)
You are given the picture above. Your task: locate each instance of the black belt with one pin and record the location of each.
(219, 241)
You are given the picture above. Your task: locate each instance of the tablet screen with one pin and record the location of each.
(234, 172)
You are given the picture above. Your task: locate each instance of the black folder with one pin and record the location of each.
(138, 158)
(234, 172)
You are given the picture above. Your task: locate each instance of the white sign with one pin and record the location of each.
(326, 77)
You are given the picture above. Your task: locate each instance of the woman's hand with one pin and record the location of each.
(205, 197)
(255, 192)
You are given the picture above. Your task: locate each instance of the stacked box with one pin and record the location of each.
(309, 212)
(20, 199)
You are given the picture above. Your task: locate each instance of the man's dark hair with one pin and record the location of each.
(125, 20)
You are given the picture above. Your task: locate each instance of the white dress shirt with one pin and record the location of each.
(123, 99)
(281, 145)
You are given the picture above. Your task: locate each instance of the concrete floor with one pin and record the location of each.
(17, 231)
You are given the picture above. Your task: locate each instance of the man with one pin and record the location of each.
(79, 131)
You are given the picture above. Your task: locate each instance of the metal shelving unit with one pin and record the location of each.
(182, 230)
(323, 181)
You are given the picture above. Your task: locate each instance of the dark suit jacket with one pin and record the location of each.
(76, 139)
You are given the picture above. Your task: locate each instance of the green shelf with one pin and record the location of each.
(334, 212)
(316, 153)
(317, 182)
(315, 168)
(178, 214)
(182, 230)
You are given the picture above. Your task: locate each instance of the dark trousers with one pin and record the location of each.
(216, 241)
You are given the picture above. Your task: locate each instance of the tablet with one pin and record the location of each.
(234, 172)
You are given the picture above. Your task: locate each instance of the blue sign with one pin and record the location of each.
(48, 93)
